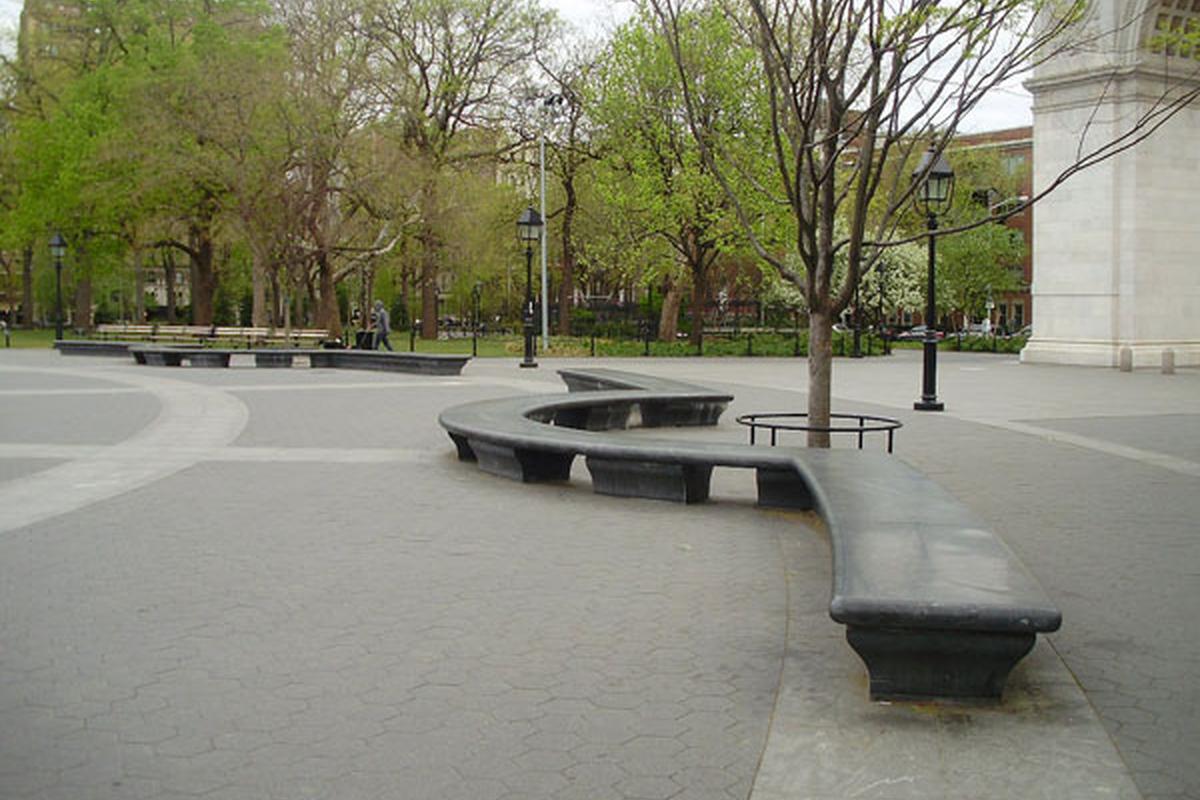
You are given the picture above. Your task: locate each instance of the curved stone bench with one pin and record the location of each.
(933, 603)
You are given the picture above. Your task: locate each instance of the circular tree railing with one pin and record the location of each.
(781, 421)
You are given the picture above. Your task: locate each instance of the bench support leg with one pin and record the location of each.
(527, 466)
(679, 414)
(275, 360)
(913, 663)
(681, 483)
(783, 488)
(199, 359)
(465, 453)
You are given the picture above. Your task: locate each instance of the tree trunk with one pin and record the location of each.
(328, 315)
(405, 297)
(429, 267)
(699, 298)
(820, 374)
(260, 315)
(139, 286)
(169, 277)
(668, 318)
(276, 301)
(83, 298)
(429, 292)
(27, 288)
(566, 286)
(204, 273)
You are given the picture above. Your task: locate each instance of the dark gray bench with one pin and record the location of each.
(933, 603)
(388, 361)
(197, 356)
(419, 363)
(91, 347)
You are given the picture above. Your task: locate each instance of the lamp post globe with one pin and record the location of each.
(58, 248)
(933, 195)
(529, 230)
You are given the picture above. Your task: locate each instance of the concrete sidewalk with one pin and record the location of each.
(252, 583)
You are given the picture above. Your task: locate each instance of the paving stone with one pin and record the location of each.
(381, 621)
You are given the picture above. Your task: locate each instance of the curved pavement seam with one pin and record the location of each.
(191, 417)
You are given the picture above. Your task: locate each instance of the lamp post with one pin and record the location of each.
(857, 351)
(58, 248)
(883, 331)
(476, 290)
(529, 230)
(935, 188)
(549, 104)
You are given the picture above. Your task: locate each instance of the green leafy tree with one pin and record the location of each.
(655, 172)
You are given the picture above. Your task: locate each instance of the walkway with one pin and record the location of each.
(249, 583)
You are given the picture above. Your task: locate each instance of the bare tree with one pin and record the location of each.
(854, 90)
(446, 71)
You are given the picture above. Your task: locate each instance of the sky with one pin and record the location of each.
(1005, 108)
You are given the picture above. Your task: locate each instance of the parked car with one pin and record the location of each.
(916, 334)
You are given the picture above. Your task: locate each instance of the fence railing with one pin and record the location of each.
(780, 421)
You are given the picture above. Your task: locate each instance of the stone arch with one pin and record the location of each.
(1169, 16)
(1114, 249)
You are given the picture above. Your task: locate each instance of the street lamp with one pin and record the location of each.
(883, 328)
(476, 291)
(58, 249)
(529, 230)
(934, 191)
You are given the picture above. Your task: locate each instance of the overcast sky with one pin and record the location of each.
(1006, 108)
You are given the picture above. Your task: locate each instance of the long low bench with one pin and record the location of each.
(933, 603)
(92, 347)
(419, 363)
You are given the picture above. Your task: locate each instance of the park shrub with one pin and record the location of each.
(985, 344)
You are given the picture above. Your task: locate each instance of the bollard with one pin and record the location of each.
(593, 343)
(749, 344)
(1125, 357)
(1168, 361)
(7, 333)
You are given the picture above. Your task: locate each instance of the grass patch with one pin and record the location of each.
(35, 339)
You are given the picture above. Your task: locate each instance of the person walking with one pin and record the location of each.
(382, 326)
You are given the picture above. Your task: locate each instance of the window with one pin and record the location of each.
(1013, 163)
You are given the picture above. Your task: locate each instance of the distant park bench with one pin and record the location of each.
(933, 603)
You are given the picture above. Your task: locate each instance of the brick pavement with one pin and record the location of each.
(345, 611)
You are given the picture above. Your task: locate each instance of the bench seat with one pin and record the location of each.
(92, 347)
(197, 356)
(933, 603)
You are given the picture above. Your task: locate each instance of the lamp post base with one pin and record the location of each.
(529, 360)
(929, 405)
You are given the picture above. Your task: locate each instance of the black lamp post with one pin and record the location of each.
(857, 351)
(529, 230)
(58, 249)
(476, 290)
(935, 188)
(883, 328)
